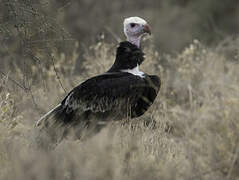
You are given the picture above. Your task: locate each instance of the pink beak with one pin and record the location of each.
(147, 29)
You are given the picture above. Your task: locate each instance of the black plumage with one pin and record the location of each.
(113, 95)
(128, 56)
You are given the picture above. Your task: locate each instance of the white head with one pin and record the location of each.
(134, 28)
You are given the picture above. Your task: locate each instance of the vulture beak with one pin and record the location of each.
(147, 29)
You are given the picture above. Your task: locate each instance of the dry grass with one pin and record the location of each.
(190, 132)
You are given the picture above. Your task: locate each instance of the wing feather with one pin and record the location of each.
(105, 92)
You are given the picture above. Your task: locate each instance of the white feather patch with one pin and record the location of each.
(135, 71)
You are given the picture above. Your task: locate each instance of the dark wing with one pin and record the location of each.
(121, 93)
(150, 92)
(102, 97)
(104, 93)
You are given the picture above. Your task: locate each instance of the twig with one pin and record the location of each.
(64, 6)
(190, 95)
(117, 38)
(14, 81)
(51, 40)
(235, 156)
(57, 76)
(33, 100)
(38, 60)
(26, 90)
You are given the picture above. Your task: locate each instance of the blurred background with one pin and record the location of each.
(29, 28)
(47, 47)
(175, 23)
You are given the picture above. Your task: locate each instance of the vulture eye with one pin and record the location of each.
(132, 25)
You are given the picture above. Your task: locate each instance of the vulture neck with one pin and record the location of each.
(128, 57)
(134, 40)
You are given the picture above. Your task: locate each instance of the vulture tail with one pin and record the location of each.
(55, 125)
(52, 114)
(58, 123)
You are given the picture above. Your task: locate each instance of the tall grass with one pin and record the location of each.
(190, 132)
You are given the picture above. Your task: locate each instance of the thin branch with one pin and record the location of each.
(33, 100)
(14, 81)
(57, 76)
(117, 38)
(50, 40)
(235, 157)
(38, 61)
(64, 6)
(25, 89)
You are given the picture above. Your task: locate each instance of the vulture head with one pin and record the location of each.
(134, 28)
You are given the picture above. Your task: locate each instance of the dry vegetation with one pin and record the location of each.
(190, 132)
